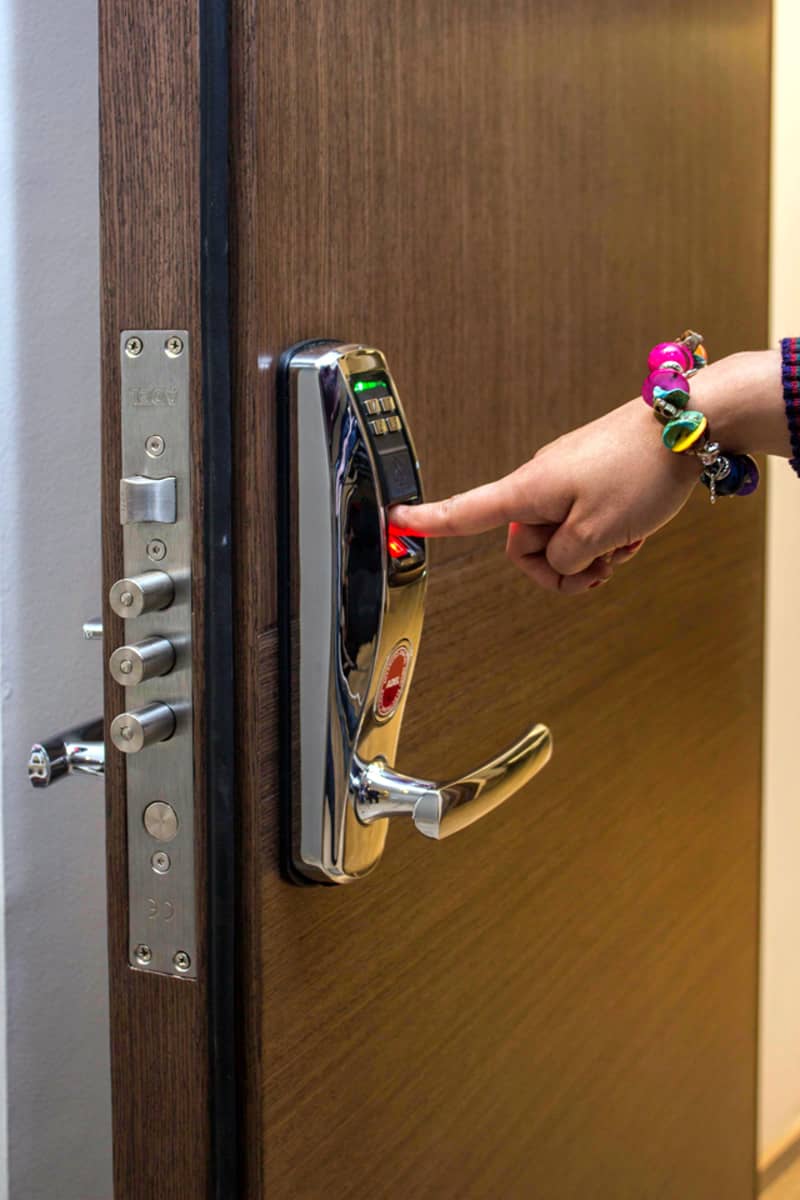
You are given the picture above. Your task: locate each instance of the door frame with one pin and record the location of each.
(164, 232)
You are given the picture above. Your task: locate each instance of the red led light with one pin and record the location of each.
(397, 547)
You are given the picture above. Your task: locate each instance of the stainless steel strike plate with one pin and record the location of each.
(155, 663)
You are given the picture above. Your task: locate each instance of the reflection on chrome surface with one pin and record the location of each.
(361, 593)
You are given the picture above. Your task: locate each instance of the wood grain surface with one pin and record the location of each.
(513, 200)
(566, 994)
(150, 246)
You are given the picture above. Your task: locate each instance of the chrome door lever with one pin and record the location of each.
(80, 750)
(439, 810)
(76, 751)
(350, 625)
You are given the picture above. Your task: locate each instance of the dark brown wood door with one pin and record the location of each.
(560, 1001)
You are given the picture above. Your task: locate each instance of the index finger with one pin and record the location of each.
(476, 511)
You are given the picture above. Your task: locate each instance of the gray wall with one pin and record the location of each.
(58, 1096)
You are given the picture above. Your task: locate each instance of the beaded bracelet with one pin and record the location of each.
(790, 375)
(686, 431)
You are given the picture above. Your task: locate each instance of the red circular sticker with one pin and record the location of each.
(393, 681)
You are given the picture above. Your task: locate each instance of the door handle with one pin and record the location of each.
(80, 750)
(351, 605)
(439, 810)
(77, 751)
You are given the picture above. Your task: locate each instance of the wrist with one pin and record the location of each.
(683, 468)
(742, 397)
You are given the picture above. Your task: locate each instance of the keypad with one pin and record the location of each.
(394, 460)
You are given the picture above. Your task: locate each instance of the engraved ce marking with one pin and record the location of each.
(164, 909)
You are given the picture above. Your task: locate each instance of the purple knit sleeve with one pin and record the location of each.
(790, 374)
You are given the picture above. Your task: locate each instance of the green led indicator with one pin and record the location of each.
(366, 385)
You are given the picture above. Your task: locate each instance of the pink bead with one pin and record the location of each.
(668, 380)
(670, 352)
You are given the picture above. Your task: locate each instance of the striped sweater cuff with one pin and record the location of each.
(790, 374)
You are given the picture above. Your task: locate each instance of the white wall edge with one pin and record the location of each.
(7, 223)
(779, 1059)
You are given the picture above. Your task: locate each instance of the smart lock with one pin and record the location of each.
(350, 624)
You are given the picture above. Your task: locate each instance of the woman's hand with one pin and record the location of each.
(587, 501)
(582, 505)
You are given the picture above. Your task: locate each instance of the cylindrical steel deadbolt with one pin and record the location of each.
(142, 660)
(148, 592)
(132, 731)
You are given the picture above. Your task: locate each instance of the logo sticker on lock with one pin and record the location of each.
(393, 681)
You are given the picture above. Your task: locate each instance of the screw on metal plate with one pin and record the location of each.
(134, 347)
(181, 960)
(174, 346)
(160, 862)
(126, 599)
(156, 550)
(143, 954)
(155, 445)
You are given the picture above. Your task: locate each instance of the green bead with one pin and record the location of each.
(684, 431)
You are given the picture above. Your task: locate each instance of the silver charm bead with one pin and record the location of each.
(709, 453)
(719, 469)
(664, 410)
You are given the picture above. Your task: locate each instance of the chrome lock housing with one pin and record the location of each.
(347, 661)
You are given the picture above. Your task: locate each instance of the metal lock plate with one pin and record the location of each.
(155, 511)
(142, 499)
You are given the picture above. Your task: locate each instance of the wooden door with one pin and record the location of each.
(559, 1002)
